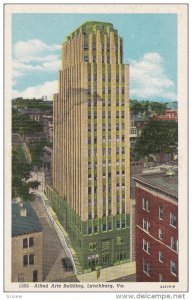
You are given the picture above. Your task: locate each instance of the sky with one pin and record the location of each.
(149, 46)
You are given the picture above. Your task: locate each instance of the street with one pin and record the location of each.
(53, 251)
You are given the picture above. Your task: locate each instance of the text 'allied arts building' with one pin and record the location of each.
(91, 159)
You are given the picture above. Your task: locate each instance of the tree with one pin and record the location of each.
(36, 150)
(20, 175)
(46, 106)
(24, 125)
(157, 137)
(137, 107)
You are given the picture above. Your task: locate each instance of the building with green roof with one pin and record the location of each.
(91, 148)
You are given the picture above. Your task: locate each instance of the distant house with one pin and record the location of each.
(168, 115)
(139, 122)
(157, 227)
(26, 244)
(34, 114)
(133, 133)
(48, 127)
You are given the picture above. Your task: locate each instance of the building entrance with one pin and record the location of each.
(93, 262)
(105, 260)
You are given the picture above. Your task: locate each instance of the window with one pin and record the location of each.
(173, 220)
(86, 58)
(118, 224)
(31, 242)
(160, 277)
(21, 277)
(35, 276)
(86, 47)
(105, 245)
(146, 225)
(161, 256)
(28, 260)
(146, 246)
(174, 243)
(173, 268)
(123, 223)
(104, 228)
(92, 246)
(120, 255)
(25, 243)
(146, 267)
(160, 234)
(28, 242)
(145, 204)
(109, 226)
(161, 212)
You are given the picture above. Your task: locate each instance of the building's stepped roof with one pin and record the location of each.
(92, 26)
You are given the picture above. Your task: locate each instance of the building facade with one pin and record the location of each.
(91, 150)
(47, 122)
(34, 114)
(157, 227)
(26, 244)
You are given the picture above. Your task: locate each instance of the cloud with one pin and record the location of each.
(34, 56)
(26, 51)
(148, 78)
(47, 88)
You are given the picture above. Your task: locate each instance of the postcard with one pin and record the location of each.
(96, 141)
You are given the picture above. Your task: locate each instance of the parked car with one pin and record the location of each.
(67, 264)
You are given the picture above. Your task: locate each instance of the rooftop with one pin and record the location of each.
(30, 111)
(92, 26)
(23, 225)
(138, 118)
(164, 183)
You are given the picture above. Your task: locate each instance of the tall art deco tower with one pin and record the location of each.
(91, 151)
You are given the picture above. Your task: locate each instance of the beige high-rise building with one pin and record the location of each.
(91, 150)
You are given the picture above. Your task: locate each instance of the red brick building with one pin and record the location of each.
(169, 115)
(157, 227)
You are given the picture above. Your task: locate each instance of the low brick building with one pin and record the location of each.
(26, 244)
(168, 115)
(157, 227)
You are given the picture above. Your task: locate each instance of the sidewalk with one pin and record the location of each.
(52, 247)
(109, 274)
(62, 235)
(57, 272)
